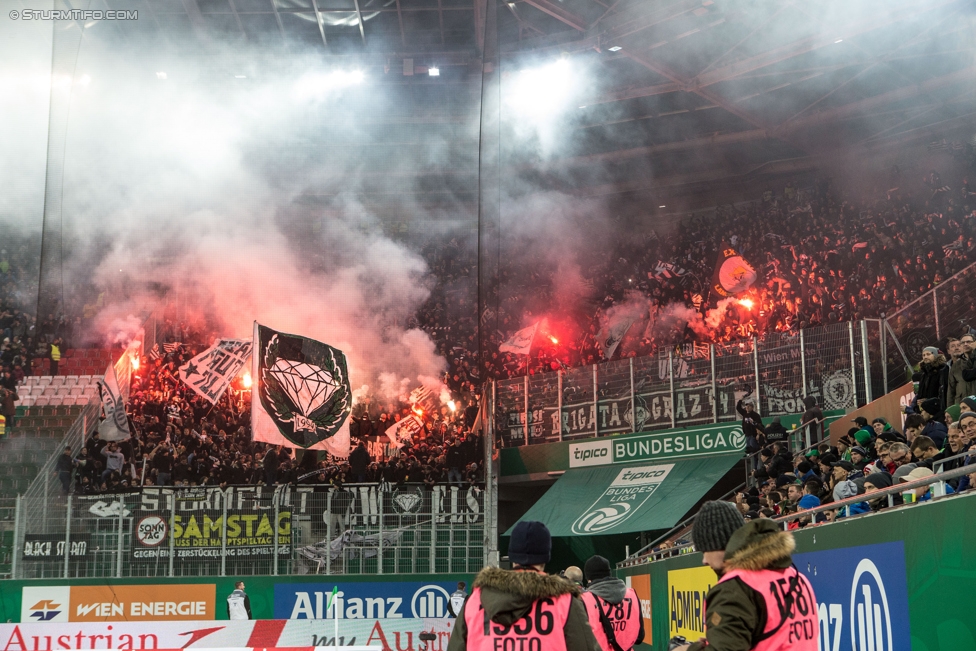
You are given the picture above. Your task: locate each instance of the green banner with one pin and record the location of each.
(920, 558)
(620, 499)
(703, 440)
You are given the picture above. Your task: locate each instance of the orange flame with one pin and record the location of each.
(135, 362)
(451, 405)
(247, 380)
(418, 411)
(553, 339)
(747, 303)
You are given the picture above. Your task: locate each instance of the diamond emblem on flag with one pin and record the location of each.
(308, 386)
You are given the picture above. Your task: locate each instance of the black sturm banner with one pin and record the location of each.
(50, 547)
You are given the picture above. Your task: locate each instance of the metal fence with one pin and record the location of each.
(691, 384)
(946, 311)
(254, 530)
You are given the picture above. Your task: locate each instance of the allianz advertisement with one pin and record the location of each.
(862, 596)
(368, 600)
(690, 442)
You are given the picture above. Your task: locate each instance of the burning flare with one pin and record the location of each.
(553, 339)
(247, 380)
(135, 362)
(746, 303)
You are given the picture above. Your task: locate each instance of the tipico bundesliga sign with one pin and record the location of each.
(692, 442)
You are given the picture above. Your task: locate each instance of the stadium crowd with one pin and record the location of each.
(180, 439)
(820, 258)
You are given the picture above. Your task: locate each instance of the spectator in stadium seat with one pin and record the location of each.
(923, 451)
(63, 468)
(161, 459)
(932, 414)
(114, 460)
(359, 460)
(875, 482)
(812, 418)
(958, 362)
(775, 432)
(914, 424)
(859, 457)
(932, 376)
(923, 493)
(270, 464)
(898, 455)
(956, 445)
(752, 425)
(882, 427)
(968, 357)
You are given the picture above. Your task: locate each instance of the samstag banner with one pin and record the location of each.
(301, 396)
(211, 372)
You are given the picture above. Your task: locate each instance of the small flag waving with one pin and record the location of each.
(301, 396)
(403, 431)
(613, 333)
(115, 427)
(521, 342)
(154, 353)
(212, 371)
(732, 273)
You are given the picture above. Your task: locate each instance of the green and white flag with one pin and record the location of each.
(300, 397)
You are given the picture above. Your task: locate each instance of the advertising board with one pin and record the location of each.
(686, 600)
(393, 600)
(641, 583)
(862, 596)
(381, 634)
(691, 442)
(118, 603)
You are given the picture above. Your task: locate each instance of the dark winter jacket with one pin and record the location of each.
(752, 424)
(812, 415)
(508, 595)
(933, 381)
(613, 591)
(958, 388)
(735, 614)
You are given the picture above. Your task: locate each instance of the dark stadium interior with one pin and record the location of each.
(416, 183)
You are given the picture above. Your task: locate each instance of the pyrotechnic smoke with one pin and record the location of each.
(176, 193)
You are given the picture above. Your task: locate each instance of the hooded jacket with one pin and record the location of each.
(507, 595)
(613, 590)
(735, 614)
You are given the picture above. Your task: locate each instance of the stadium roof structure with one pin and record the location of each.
(688, 93)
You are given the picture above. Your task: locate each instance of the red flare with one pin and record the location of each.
(247, 380)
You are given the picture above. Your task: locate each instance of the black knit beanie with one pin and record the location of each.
(714, 525)
(531, 544)
(596, 567)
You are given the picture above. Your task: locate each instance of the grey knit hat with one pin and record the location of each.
(715, 524)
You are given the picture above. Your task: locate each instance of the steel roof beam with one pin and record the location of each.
(560, 14)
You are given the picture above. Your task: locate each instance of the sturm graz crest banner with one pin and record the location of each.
(303, 397)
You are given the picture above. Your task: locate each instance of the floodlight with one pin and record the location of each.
(542, 91)
(615, 48)
(434, 71)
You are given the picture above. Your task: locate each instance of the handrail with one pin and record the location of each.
(961, 455)
(832, 506)
(680, 525)
(788, 433)
(873, 495)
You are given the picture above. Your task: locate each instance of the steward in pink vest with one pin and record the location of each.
(613, 608)
(523, 609)
(761, 601)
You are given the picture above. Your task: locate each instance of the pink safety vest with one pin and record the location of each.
(792, 618)
(542, 628)
(624, 618)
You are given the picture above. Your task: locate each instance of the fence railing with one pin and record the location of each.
(255, 530)
(691, 385)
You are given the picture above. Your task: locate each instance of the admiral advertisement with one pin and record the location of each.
(118, 603)
(686, 600)
(862, 596)
(399, 600)
(381, 634)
